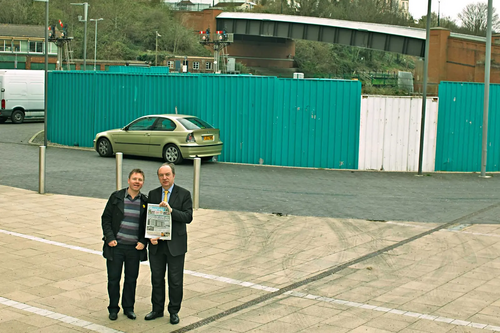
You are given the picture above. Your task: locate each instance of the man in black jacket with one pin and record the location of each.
(123, 226)
(169, 252)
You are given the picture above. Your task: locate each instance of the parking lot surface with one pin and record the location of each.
(349, 251)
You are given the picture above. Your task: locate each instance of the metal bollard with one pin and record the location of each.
(196, 182)
(119, 170)
(41, 170)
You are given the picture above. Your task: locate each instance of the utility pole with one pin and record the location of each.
(424, 93)
(156, 54)
(84, 19)
(95, 41)
(487, 73)
(439, 12)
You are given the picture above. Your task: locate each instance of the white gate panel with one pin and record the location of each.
(389, 135)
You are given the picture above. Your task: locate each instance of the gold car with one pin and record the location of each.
(174, 137)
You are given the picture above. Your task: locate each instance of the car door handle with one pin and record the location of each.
(147, 134)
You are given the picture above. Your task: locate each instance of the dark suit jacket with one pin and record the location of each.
(182, 213)
(112, 217)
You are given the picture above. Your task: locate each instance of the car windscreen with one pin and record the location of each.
(194, 123)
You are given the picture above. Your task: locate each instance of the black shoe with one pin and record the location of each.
(113, 316)
(153, 315)
(174, 318)
(130, 314)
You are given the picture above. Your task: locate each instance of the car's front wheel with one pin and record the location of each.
(172, 154)
(104, 147)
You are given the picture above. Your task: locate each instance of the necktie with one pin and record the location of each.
(166, 196)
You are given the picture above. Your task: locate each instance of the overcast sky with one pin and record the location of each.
(418, 8)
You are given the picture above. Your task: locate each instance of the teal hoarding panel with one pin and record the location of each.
(138, 69)
(71, 108)
(242, 109)
(317, 123)
(263, 120)
(460, 127)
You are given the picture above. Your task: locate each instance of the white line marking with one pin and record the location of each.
(472, 233)
(408, 225)
(203, 275)
(447, 230)
(103, 329)
(58, 316)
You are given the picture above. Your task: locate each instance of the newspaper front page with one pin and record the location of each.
(158, 222)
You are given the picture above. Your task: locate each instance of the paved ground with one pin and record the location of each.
(358, 252)
(251, 272)
(324, 193)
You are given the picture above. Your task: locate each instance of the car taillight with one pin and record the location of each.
(190, 138)
(3, 103)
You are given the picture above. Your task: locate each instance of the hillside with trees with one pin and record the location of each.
(128, 30)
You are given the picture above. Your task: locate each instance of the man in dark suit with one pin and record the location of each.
(123, 225)
(169, 252)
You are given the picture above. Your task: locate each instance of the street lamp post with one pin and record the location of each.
(84, 19)
(41, 169)
(46, 68)
(95, 41)
(156, 53)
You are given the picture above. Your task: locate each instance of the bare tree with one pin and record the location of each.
(474, 18)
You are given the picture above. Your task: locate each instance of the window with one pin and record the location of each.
(16, 45)
(5, 45)
(194, 123)
(196, 65)
(142, 124)
(165, 125)
(208, 65)
(170, 64)
(36, 47)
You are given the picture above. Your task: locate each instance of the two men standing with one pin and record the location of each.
(120, 232)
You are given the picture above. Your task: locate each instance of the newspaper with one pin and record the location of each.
(158, 222)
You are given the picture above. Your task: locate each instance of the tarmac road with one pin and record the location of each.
(379, 196)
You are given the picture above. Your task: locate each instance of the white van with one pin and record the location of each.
(21, 95)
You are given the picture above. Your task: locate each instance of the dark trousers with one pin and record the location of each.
(128, 255)
(158, 263)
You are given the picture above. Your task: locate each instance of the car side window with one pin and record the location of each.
(144, 124)
(165, 125)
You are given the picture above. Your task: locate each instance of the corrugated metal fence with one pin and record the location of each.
(459, 140)
(263, 120)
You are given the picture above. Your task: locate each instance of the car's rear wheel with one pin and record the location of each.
(3, 120)
(172, 154)
(17, 117)
(104, 147)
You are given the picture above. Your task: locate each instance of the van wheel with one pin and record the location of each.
(104, 147)
(17, 117)
(172, 154)
(3, 120)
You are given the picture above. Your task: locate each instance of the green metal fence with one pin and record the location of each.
(460, 127)
(263, 120)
